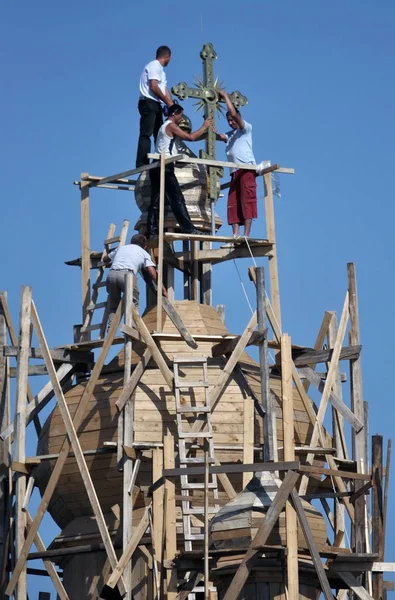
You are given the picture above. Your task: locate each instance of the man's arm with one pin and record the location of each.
(155, 89)
(154, 276)
(190, 137)
(231, 109)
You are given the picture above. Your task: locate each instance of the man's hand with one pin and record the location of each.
(222, 94)
(208, 122)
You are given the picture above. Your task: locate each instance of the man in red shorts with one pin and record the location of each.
(242, 203)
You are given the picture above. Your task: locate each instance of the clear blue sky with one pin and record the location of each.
(320, 81)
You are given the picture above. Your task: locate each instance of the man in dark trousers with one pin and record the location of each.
(168, 141)
(154, 95)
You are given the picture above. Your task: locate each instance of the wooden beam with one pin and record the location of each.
(157, 514)
(161, 232)
(124, 174)
(171, 517)
(128, 553)
(261, 536)
(292, 579)
(227, 346)
(248, 437)
(75, 444)
(330, 380)
(271, 235)
(353, 584)
(58, 467)
(319, 342)
(20, 430)
(377, 512)
(336, 402)
(58, 355)
(129, 388)
(308, 358)
(85, 252)
(325, 587)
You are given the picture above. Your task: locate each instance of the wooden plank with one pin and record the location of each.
(319, 342)
(333, 472)
(170, 515)
(292, 579)
(377, 511)
(58, 355)
(271, 235)
(227, 346)
(195, 271)
(52, 572)
(359, 447)
(57, 470)
(231, 165)
(75, 444)
(248, 438)
(353, 584)
(328, 386)
(85, 252)
(157, 514)
(309, 358)
(127, 417)
(20, 430)
(325, 587)
(160, 249)
(138, 371)
(261, 536)
(128, 553)
(335, 401)
(117, 176)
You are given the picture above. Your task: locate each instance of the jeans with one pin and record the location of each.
(115, 286)
(151, 120)
(173, 197)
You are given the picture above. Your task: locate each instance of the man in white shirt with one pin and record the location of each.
(129, 258)
(154, 94)
(242, 201)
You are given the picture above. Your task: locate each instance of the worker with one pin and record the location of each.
(154, 95)
(168, 141)
(130, 258)
(242, 201)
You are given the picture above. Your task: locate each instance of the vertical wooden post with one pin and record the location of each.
(157, 510)
(195, 271)
(358, 439)
(206, 294)
(206, 525)
(127, 417)
(20, 429)
(271, 236)
(160, 241)
(248, 437)
(170, 278)
(289, 455)
(269, 422)
(377, 512)
(5, 449)
(186, 276)
(171, 522)
(85, 252)
(338, 434)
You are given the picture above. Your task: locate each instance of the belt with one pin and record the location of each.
(130, 270)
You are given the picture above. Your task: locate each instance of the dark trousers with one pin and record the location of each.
(151, 120)
(173, 197)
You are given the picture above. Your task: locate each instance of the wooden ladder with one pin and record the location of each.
(99, 283)
(188, 440)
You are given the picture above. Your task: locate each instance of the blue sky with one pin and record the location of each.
(319, 79)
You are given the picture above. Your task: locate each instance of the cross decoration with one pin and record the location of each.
(207, 94)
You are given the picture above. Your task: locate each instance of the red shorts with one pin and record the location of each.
(242, 202)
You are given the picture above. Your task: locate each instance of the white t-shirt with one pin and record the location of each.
(169, 145)
(130, 257)
(153, 70)
(239, 145)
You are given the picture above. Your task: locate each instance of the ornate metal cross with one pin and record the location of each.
(207, 94)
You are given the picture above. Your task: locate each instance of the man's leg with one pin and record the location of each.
(148, 114)
(248, 199)
(153, 210)
(177, 202)
(234, 213)
(114, 290)
(158, 120)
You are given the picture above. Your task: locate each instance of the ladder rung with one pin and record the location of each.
(198, 511)
(112, 240)
(193, 409)
(198, 486)
(193, 434)
(196, 460)
(181, 383)
(92, 307)
(96, 286)
(189, 359)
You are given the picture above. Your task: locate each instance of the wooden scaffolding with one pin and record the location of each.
(146, 555)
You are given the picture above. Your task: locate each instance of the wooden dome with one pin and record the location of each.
(154, 416)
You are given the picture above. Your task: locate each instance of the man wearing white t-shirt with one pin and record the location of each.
(129, 258)
(154, 94)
